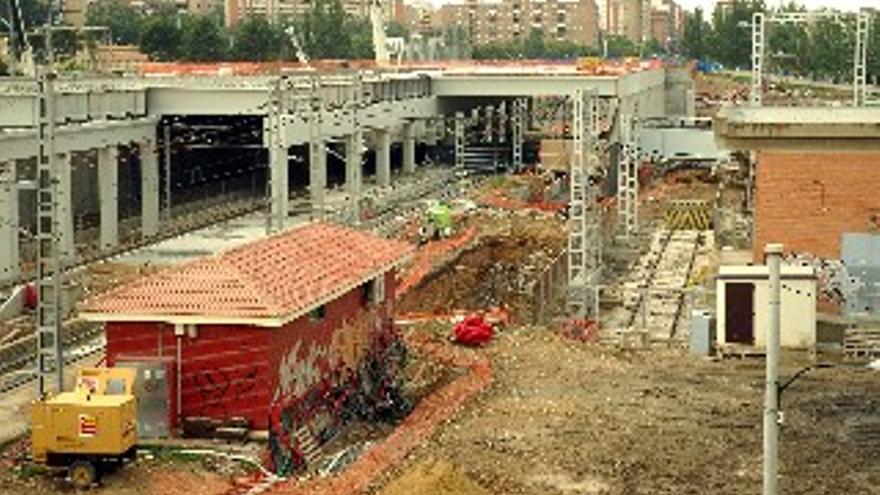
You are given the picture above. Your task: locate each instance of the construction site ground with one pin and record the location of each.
(548, 414)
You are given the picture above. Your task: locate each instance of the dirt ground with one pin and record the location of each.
(571, 418)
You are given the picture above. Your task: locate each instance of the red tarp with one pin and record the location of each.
(473, 331)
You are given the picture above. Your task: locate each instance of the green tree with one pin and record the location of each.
(122, 19)
(731, 40)
(396, 30)
(203, 40)
(831, 50)
(161, 35)
(533, 47)
(255, 39)
(788, 45)
(322, 32)
(621, 46)
(874, 50)
(361, 38)
(696, 30)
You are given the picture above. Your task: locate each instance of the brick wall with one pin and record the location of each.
(806, 201)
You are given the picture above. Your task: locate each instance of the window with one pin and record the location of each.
(318, 313)
(560, 31)
(516, 17)
(560, 17)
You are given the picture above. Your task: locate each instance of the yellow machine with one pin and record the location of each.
(90, 429)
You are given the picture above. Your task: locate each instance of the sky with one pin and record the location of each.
(811, 4)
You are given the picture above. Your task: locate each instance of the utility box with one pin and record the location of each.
(154, 388)
(702, 332)
(79, 423)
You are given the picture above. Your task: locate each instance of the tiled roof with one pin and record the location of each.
(277, 278)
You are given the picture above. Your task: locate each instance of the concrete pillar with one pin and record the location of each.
(64, 212)
(383, 157)
(108, 194)
(278, 187)
(459, 140)
(409, 147)
(431, 132)
(318, 176)
(9, 252)
(149, 189)
(354, 170)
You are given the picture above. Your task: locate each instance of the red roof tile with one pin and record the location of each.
(276, 278)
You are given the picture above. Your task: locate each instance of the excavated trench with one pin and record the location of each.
(497, 271)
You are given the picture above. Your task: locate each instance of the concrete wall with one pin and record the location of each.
(798, 309)
(807, 201)
(679, 92)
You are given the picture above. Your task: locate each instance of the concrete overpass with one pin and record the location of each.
(298, 109)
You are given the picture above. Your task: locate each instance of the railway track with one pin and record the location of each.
(82, 339)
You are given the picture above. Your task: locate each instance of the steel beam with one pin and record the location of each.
(149, 188)
(758, 42)
(530, 84)
(9, 221)
(20, 144)
(277, 173)
(459, 141)
(519, 106)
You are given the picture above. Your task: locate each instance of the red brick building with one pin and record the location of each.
(808, 200)
(283, 332)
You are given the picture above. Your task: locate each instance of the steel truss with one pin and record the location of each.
(584, 241)
(49, 269)
(759, 46)
(518, 132)
(628, 178)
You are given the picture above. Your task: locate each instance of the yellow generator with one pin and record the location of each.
(89, 430)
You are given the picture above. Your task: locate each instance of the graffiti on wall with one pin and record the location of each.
(830, 274)
(220, 392)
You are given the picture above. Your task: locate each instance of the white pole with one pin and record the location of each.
(773, 258)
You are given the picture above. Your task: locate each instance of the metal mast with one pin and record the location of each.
(755, 97)
(860, 60)
(49, 269)
(584, 241)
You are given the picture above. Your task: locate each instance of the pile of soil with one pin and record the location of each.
(432, 477)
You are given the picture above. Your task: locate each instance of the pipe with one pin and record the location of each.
(773, 259)
(179, 379)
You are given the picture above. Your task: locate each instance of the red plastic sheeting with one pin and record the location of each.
(473, 331)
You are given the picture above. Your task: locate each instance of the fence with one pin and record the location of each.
(547, 288)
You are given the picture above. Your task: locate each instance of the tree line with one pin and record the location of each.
(324, 31)
(822, 49)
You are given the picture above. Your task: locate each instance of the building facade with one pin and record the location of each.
(284, 334)
(575, 21)
(235, 10)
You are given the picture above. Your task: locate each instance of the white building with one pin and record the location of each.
(743, 306)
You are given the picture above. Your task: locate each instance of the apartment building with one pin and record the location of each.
(509, 20)
(667, 22)
(236, 10)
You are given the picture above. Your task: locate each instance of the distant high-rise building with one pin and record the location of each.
(509, 20)
(628, 18)
(274, 10)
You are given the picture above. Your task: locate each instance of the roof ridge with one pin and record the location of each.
(247, 280)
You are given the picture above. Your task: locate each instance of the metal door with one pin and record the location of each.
(739, 318)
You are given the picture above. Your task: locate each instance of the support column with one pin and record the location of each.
(517, 133)
(149, 188)
(383, 157)
(278, 189)
(317, 176)
(354, 170)
(10, 269)
(66, 245)
(108, 194)
(409, 147)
